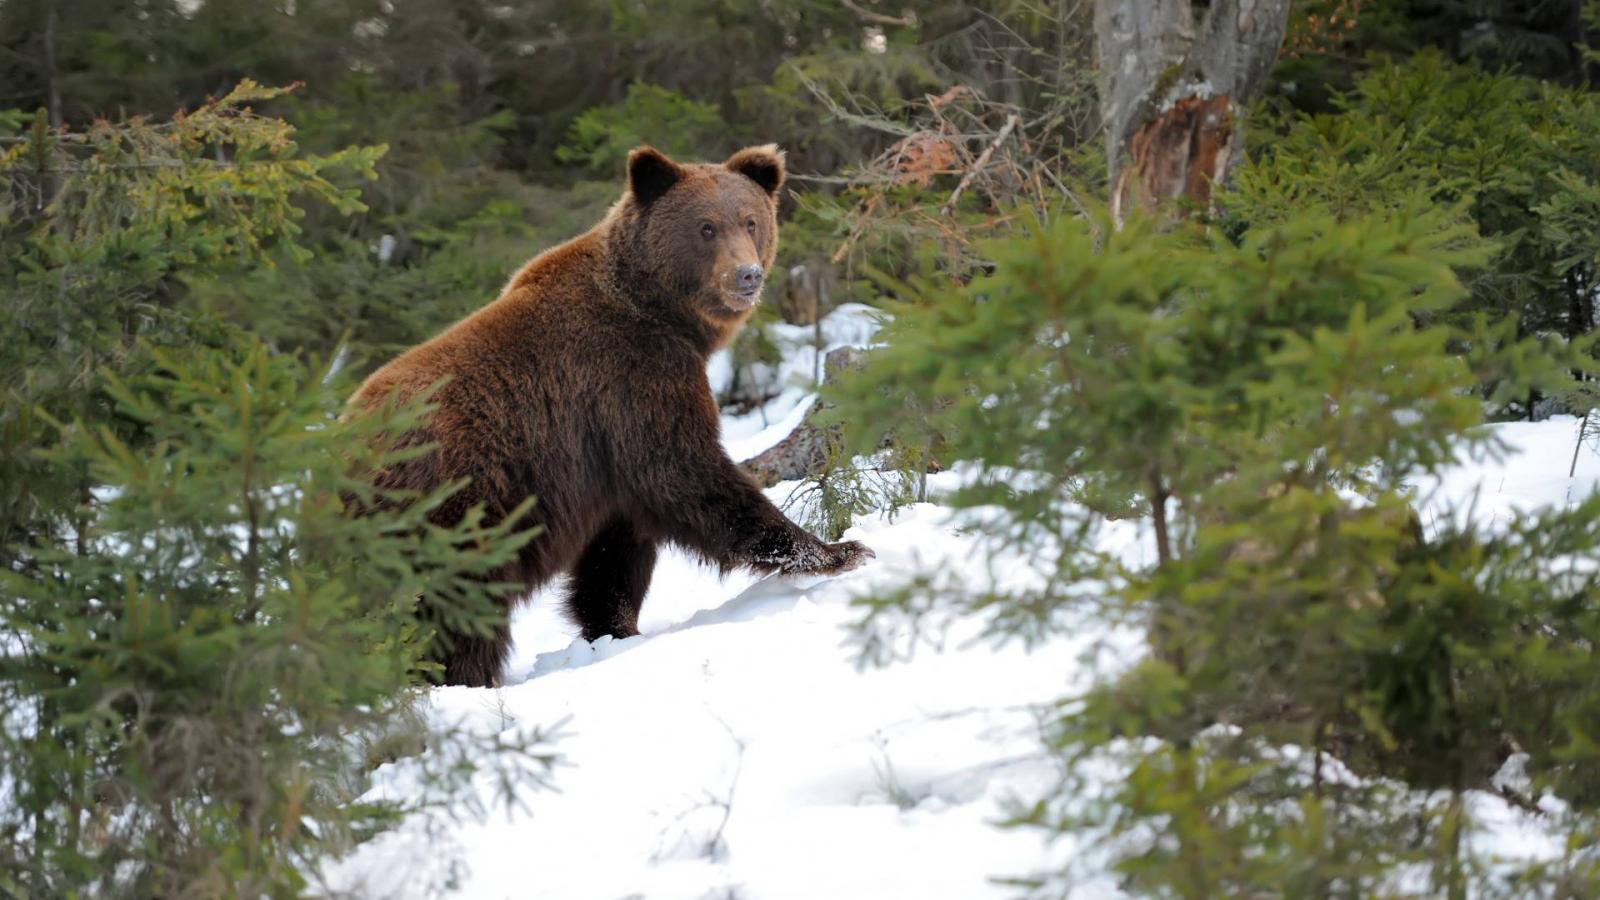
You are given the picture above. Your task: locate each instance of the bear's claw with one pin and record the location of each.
(850, 555)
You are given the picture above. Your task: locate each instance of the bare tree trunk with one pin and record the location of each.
(1173, 90)
(52, 76)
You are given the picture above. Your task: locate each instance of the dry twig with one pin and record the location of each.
(868, 15)
(983, 160)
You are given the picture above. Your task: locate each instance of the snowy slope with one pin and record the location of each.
(735, 750)
(842, 783)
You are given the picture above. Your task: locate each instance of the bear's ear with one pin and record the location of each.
(650, 174)
(763, 165)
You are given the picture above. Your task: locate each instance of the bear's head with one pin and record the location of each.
(702, 234)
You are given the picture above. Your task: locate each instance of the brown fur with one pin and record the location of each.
(584, 385)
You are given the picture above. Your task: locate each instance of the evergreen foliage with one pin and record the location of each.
(1270, 405)
(197, 678)
(603, 135)
(1512, 156)
(99, 227)
(202, 652)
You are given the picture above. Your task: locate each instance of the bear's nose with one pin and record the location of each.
(747, 279)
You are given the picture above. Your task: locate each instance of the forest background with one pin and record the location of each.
(216, 215)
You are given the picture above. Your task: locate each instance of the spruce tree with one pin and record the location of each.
(1323, 679)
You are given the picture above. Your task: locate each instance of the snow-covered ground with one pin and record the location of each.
(737, 750)
(851, 325)
(736, 747)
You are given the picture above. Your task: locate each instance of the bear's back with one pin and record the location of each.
(531, 382)
(503, 345)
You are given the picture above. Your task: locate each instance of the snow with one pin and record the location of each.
(1534, 478)
(742, 701)
(747, 435)
(755, 444)
(737, 749)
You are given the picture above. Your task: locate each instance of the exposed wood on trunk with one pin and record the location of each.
(1173, 89)
(1177, 156)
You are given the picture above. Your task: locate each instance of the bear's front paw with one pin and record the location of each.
(846, 555)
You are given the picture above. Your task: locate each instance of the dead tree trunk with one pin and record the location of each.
(1172, 91)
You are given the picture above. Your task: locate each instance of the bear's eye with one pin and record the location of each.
(750, 225)
(708, 230)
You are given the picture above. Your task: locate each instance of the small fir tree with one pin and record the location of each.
(1324, 681)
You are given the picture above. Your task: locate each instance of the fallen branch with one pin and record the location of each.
(1519, 800)
(983, 160)
(868, 15)
(856, 230)
(808, 448)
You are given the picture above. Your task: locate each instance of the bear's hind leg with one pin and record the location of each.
(473, 659)
(477, 661)
(609, 582)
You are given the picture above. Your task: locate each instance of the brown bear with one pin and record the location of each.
(584, 385)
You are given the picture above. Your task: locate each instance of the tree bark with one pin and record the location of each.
(1172, 92)
(52, 75)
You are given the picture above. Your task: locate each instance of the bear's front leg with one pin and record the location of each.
(714, 509)
(686, 490)
(810, 555)
(707, 504)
